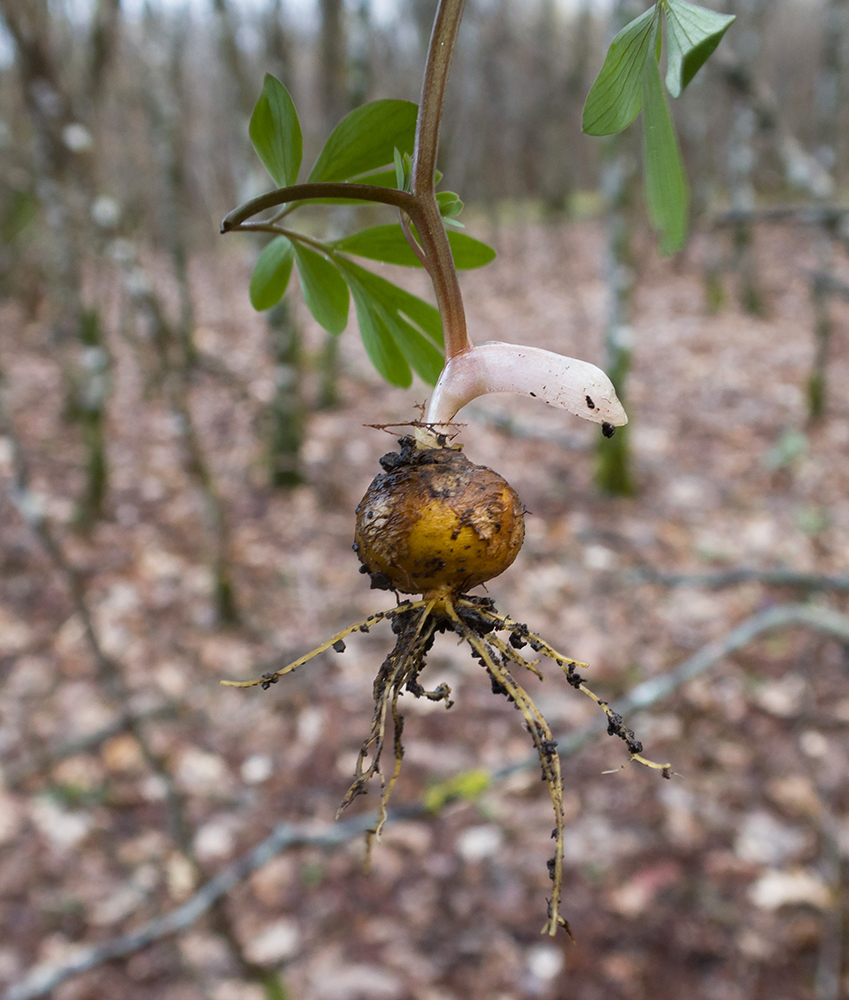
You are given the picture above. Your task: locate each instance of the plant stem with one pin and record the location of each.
(428, 220)
(327, 189)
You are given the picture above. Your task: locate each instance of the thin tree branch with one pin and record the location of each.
(44, 978)
(810, 215)
(43, 760)
(830, 284)
(732, 577)
(657, 689)
(284, 837)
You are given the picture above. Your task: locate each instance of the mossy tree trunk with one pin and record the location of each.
(286, 411)
(614, 465)
(830, 90)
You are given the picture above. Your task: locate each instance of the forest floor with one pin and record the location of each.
(726, 882)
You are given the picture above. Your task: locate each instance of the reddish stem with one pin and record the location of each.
(429, 223)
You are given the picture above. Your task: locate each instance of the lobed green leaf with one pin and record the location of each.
(665, 183)
(692, 34)
(276, 132)
(271, 274)
(366, 139)
(324, 288)
(388, 244)
(616, 97)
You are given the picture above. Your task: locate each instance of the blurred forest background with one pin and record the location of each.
(179, 476)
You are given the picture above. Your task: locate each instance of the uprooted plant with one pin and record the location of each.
(434, 524)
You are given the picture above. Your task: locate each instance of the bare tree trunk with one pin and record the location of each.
(177, 354)
(91, 415)
(103, 44)
(558, 93)
(278, 52)
(286, 411)
(65, 185)
(741, 163)
(830, 87)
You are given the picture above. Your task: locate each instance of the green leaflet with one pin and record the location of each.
(665, 183)
(615, 98)
(276, 132)
(271, 274)
(388, 244)
(425, 359)
(388, 318)
(692, 34)
(366, 139)
(324, 288)
(377, 340)
(420, 313)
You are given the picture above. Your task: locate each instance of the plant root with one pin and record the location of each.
(477, 623)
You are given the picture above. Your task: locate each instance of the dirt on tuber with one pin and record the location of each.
(434, 523)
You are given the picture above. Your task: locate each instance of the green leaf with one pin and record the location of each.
(467, 785)
(276, 132)
(403, 170)
(615, 98)
(324, 288)
(400, 169)
(692, 34)
(424, 358)
(420, 313)
(387, 315)
(271, 274)
(366, 139)
(388, 244)
(449, 204)
(666, 186)
(381, 348)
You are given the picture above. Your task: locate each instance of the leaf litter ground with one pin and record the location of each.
(713, 885)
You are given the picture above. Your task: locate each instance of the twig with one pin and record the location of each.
(43, 760)
(732, 577)
(285, 836)
(45, 978)
(657, 689)
(809, 215)
(828, 283)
